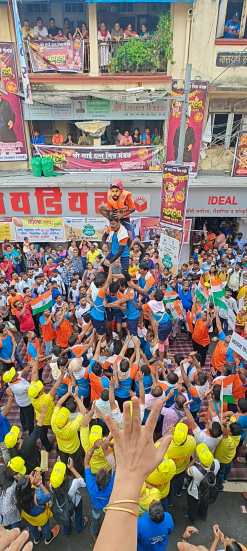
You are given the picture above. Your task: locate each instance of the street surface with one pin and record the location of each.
(226, 512)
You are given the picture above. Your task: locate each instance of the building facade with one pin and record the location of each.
(125, 90)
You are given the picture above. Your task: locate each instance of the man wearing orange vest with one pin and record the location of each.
(219, 355)
(119, 203)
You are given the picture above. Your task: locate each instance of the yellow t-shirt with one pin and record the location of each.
(147, 497)
(98, 460)
(226, 449)
(92, 255)
(45, 400)
(162, 480)
(181, 454)
(67, 437)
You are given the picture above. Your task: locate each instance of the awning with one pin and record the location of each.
(140, 1)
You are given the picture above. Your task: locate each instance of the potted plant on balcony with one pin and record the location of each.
(148, 55)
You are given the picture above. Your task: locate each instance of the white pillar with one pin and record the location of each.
(229, 128)
(93, 40)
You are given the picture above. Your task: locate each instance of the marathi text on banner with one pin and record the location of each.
(239, 345)
(87, 159)
(174, 195)
(12, 139)
(194, 125)
(240, 157)
(84, 228)
(169, 248)
(6, 231)
(39, 229)
(65, 56)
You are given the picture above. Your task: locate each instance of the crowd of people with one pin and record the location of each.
(117, 137)
(90, 363)
(69, 31)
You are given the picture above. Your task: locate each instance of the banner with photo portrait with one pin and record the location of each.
(12, 137)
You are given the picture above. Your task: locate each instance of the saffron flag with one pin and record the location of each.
(41, 303)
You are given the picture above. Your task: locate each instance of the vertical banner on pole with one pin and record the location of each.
(22, 59)
(194, 125)
(173, 206)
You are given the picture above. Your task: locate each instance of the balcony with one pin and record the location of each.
(130, 56)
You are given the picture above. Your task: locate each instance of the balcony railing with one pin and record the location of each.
(73, 56)
(70, 56)
(129, 56)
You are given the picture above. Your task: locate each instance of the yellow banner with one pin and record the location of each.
(33, 222)
(6, 231)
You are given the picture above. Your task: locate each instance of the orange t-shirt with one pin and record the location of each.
(218, 358)
(125, 201)
(11, 301)
(57, 139)
(200, 334)
(47, 331)
(63, 333)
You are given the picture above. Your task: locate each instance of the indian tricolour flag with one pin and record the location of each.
(226, 383)
(172, 301)
(217, 292)
(201, 293)
(170, 297)
(41, 303)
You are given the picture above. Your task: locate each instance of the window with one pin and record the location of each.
(73, 7)
(38, 8)
(231, 19)
(225, 129)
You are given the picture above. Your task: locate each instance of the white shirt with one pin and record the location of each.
(74, 491)
(198, 477)
(19, 390)
(40, 33)
(80, 310)
(202, 436)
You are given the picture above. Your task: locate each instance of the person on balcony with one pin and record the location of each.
(69, 140)
(104, 37)
(126, 139)
(232, 27)
(37, 138)
(52, 28)
(57, 138)
(26, 30)
(136, 136)
(117, 33)
(40, 32)
(130, 33)
(146, 137)
(81, 31)
(144, 32)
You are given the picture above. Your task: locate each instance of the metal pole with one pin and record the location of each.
(184, 114)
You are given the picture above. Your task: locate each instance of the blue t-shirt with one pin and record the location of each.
(232, 29)
(6, 348)
(99, 498)
(31, 350)
(124, 388)
(186, 298)
(242, 421)
(152, 535)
